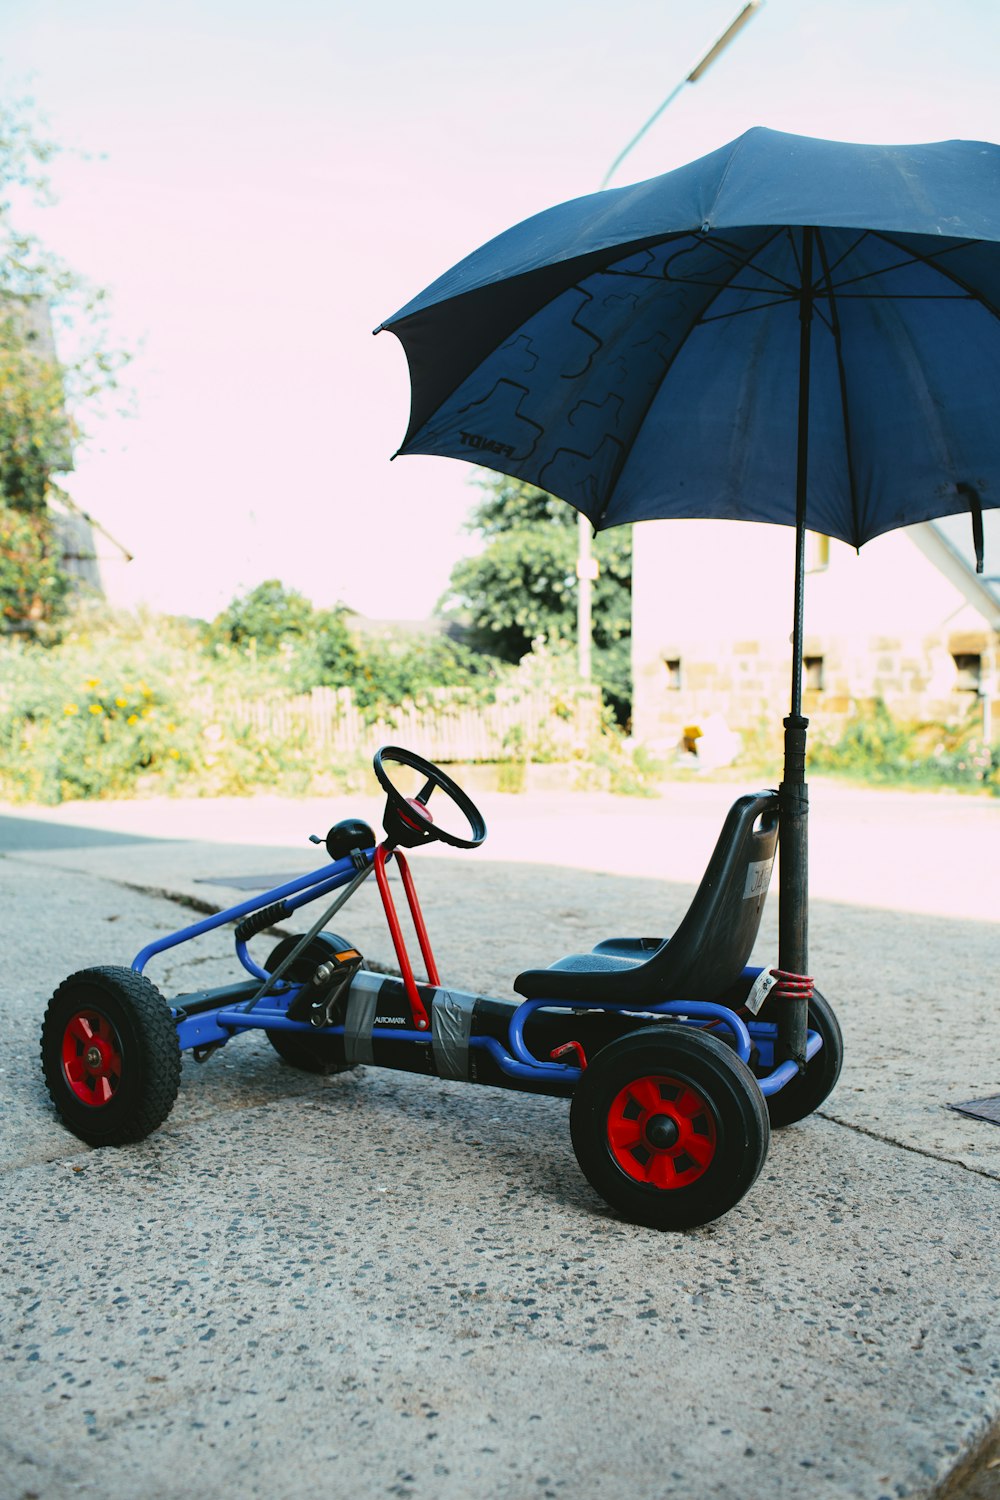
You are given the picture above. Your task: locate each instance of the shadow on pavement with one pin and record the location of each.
(21, 834)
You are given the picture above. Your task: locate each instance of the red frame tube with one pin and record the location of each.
(420, 1017)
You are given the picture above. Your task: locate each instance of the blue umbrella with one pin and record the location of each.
(786, 330)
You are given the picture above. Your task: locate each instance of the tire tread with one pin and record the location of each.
(144, 1105)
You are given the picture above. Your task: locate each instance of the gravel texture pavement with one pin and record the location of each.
(376, 1284)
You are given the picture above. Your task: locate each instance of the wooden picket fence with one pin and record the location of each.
(521, 724)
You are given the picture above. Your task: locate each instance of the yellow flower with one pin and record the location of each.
(93, 682)
(70, 708)
(174, 753)
(95, 708)
(132, 719)
(121, 702)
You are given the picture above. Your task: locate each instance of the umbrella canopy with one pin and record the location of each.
(786, 330)
(638, 352)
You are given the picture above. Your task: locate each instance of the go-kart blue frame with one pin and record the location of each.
(672, 1094)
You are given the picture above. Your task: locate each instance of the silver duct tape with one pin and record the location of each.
(452, 1025)
(362, 1005)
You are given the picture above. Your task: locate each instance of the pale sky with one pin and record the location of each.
(268, 181)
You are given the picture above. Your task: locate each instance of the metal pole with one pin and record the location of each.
(583, 555)
(987, 687)
(586, 571)
(696, 72)
(793, 794)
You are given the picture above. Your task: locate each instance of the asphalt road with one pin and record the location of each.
(381, 1285)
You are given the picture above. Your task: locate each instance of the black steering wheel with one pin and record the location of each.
(406, 819)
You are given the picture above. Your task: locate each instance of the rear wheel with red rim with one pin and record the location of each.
(669, 1126)
(110, 1056)
(809, 1090)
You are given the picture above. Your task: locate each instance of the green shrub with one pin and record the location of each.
(32, 584)
(263, 619)
(614, 764)
(126, 705)
(876, 748)
(398, 668)
(66, 732)
(305, 648)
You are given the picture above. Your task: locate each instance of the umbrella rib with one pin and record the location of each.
(911, 259)
(905, 296)
(738, 312)
(824, 319)
(781, 291)
(726, 247)
(699, 318)
(795, 253)
(835, 329)
(932, 261)
(835, 265)
(929, 260)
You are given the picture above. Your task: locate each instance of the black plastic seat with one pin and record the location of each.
(706, 955)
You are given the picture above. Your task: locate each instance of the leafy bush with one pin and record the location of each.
(125, 705)
(278, 630)
(32, 583)
(71, 728)
(120, 705)
(263, 620)
(875, 747)
(614, 764)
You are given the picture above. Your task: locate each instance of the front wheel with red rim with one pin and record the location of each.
(110, 1056)
(669, 1126)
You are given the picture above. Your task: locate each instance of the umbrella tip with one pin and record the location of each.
(971, 495)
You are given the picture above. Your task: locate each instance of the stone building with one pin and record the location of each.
(907, 620)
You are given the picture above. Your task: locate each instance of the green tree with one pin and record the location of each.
(523, 584)
(32, 584)
(41, 396)
(264, 619)
(316, 648)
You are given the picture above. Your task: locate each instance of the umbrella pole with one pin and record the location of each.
(793, 793)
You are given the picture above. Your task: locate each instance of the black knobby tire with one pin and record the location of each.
(110, 1056)
(310, 1053)
(807, 1092)
(669, 1126)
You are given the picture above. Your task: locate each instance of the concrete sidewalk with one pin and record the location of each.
(380, 1284)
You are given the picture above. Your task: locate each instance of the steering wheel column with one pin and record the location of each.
(408, 823)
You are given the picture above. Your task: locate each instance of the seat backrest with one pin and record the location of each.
(711, 946)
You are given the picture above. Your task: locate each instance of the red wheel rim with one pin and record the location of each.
(92, 1058)
(662, 1132)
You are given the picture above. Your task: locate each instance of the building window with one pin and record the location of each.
(672, 666)
(813, 675)
(968, 671)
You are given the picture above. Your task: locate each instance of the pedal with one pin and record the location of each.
(318, 1001)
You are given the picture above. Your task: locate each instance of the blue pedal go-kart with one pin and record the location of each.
(668, 1048)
